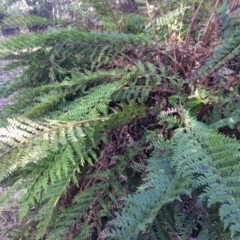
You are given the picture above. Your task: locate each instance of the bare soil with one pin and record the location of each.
(5, 78)
(8, 212)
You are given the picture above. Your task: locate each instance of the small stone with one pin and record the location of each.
(225, 71)
(4, 101)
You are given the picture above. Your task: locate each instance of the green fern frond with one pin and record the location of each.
(81, 203)
(73, 213)
(211, 160)
(45, 214)
(227, 116)
(45, 204)
(169, 18)
(201, 161)
(84, 231)
(21, 42)
(227, 122)
(94, 104)
(29, 141)
(141, 208)
(25, 20)
(228, 49)
(142, 79)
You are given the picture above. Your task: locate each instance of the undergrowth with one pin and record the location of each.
(124, 134)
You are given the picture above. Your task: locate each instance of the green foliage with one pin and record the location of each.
(133, 23)
(54, 155)
(198, 162)
(59, 72)
(102, 141)
(168, 24)
(25, 20)
(226, 51)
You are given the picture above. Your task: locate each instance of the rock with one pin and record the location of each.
(6, 77)
(4, 101)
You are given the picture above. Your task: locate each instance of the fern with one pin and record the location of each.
(100, 128)
(22, 42)
(203, 161)
(169, 19)
(225, 112)
(65, 72)
(106, 192)
(74, 213)
(53, 155)
(228, 49)
(26, 20)
(146, 203)
(93, 104)
(217, 166)
(44, 136)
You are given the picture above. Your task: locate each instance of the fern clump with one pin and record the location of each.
(198, 162)
(126, 134)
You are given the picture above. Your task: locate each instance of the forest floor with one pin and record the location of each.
(8, 220)
(6, 77)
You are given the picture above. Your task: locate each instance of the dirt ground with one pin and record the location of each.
(8, 213)
(6, 77)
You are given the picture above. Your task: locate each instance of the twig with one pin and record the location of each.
(209, 21)
(191, 24)
(174, 62)
(160, 9)
(111, 11)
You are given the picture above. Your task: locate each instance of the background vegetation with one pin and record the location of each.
(125, 121)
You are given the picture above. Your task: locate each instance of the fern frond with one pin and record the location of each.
(227, 122)
(169, 18)
(142, 79)
(228, 49)
(211, 160)
(45, 203)
(227, 117)
(25, 20)
(51, 200)
(21, 42)
(141, 208)
(105, 192)
(203, 162)
(29, 141)
(94, 104)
